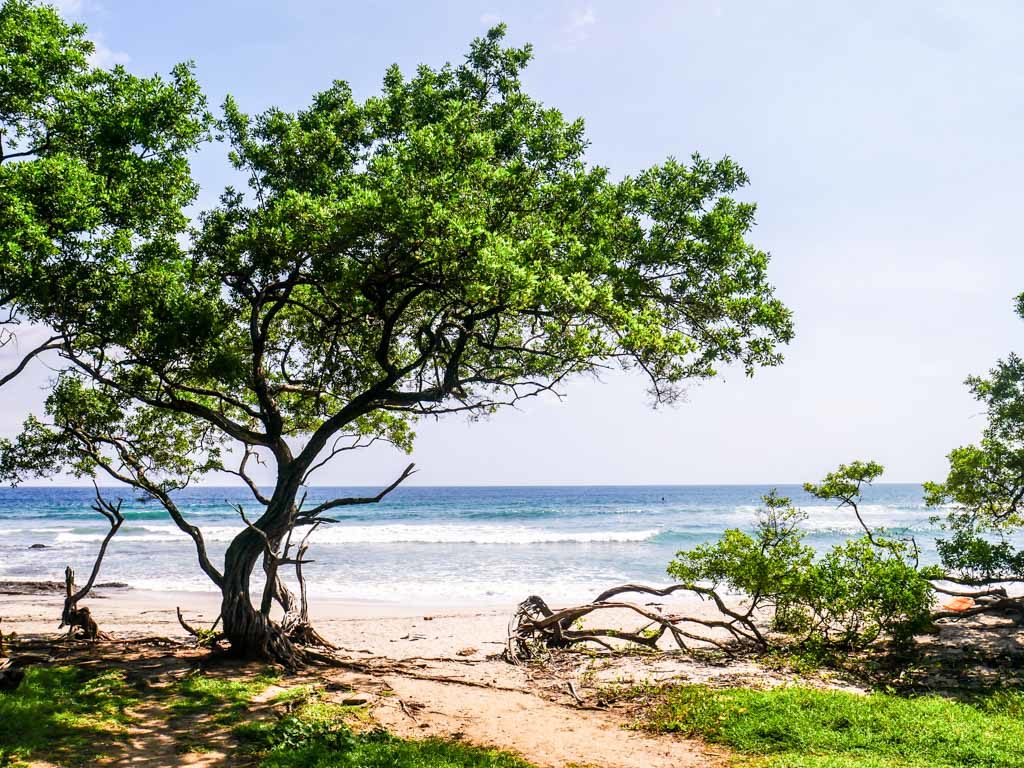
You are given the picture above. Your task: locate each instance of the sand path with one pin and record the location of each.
(542, 732)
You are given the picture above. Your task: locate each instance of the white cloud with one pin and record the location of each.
(104, 57)
(578, 28)
(67, 7)
(583, 18)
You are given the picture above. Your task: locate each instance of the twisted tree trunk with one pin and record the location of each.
(251, 631)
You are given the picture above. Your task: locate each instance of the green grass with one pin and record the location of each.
(808, 728)
(378, 749)
(225, 699)
(73, 717)
(63, 714)
(316, 734)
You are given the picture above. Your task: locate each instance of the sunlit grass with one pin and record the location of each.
(223, 699)
(64, 714)
(793, 727)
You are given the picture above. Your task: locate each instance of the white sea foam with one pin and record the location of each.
(472, 534)
(399, 533)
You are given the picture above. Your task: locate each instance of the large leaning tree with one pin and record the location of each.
(93, 167)
(440, 248)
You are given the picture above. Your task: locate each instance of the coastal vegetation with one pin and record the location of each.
(800, 727)
(772, 591)
(443, 247)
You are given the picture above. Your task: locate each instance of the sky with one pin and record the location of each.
(883, 143)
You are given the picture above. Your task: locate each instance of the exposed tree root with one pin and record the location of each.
(534, 625)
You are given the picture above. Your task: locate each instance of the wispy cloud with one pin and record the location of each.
(578, 27)
(104, 57)
(67, 7)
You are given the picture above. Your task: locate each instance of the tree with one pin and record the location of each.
(985, 484)
(440, 248)
(93, 164)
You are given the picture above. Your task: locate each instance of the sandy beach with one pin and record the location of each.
(369, 627)
(442, 665)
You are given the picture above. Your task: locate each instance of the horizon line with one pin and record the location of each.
(486, 485)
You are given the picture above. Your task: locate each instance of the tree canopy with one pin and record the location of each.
(441, 247)
(93, 168)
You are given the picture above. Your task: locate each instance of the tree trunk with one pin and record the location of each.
(252, 634)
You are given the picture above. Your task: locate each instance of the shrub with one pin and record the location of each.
(857, 591)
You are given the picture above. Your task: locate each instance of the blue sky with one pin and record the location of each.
(883, 142)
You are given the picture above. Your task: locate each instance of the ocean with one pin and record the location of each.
(438, 546)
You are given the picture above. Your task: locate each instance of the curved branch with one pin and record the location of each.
(47, 346)
(307, 517)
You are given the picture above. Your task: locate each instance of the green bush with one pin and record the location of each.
(857, 591)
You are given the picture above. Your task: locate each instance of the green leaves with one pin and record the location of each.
(848, 597)
(845, 484)
(441, 247)
(985, 484)
(93, 172)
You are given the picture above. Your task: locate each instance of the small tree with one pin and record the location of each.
(985, 484)
(844, 598)
(440, 248)
(849, 596)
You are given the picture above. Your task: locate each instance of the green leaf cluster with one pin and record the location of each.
(848, 597)
(985, 483)
(93, 163)
(441, 247)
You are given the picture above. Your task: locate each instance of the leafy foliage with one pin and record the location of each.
(985, 484)
(857, 591)
(442, 247)
(93, 167)
(770, 566)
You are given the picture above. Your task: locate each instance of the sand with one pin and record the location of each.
(437, 671)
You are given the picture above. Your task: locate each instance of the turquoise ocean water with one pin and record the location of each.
(438, 545)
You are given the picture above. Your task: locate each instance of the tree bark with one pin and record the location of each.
(252, 634)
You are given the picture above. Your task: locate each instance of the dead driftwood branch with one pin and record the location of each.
(205, 638)
(79, 618)
(534, 626)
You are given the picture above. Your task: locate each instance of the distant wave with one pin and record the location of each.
(395, 534)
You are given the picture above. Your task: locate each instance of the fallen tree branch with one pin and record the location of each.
(534, 625)
(996, 606)
(205, 638)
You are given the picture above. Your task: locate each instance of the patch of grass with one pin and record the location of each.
(298, 694)
(316, 735)
(378, 749)
(796, 727)
(225, 699)
(63, 714)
